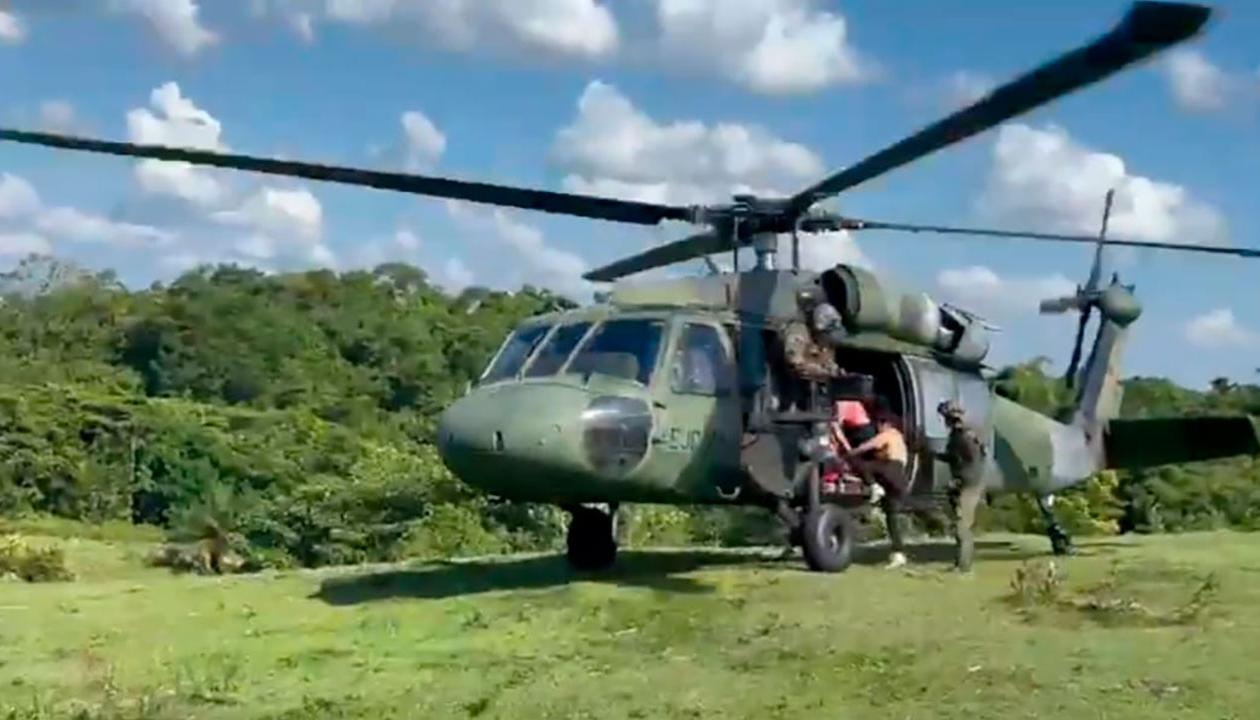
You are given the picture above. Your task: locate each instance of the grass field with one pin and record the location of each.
(1155, 627)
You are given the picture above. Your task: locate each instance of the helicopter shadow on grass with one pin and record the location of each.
(663, 570)
(657, 569)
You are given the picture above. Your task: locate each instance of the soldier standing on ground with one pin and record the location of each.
(965, 454)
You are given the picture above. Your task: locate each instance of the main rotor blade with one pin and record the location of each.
(856, 224)
(587, 206)
(1147, 28)
(688, 248)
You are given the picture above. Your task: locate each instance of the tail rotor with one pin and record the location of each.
(1085, 297)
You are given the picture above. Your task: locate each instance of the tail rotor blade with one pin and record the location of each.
(1069, 377)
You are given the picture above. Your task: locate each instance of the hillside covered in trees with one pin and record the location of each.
(298, 411)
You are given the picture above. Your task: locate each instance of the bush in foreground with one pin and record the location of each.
(20, 559)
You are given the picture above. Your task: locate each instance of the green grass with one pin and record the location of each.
(669, 634)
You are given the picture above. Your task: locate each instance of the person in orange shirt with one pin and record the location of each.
(883, 459)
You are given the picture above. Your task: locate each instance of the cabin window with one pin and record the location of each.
(621, 348)
(935, 385)
(557, 349)
(520, 344)
(701, 365)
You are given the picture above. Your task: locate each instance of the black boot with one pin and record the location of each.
(1060, 541)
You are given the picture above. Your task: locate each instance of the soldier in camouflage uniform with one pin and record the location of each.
(806, 356)
(965, 454)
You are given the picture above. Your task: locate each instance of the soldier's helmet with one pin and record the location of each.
(825, 318)
(950, 410)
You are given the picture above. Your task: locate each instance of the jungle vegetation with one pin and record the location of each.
(298, 410)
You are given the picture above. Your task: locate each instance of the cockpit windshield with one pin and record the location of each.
(622, 348)
(520, 344)
(557, 349)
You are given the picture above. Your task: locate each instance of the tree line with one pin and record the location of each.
(298, 411)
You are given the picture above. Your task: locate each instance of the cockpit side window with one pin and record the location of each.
(701, 365)
(557, 349)
(622, 348)
(515, 352)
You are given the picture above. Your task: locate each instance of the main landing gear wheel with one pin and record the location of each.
(827, 536)
(592, 539)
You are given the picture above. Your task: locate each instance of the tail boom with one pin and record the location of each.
(1132, 444)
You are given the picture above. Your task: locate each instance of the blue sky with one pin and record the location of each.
(675, 100)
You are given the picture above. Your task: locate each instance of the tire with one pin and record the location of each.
(828, 536)
(590, 540)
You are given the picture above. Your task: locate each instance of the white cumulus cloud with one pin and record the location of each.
(21, 244)
(17, 197)
(769, 46)
(399, 247)
(614, 149)
(57, 115)
(176, 22)
(824, 250)
(982, 290)
(176, 121)
(584, 29)
(295, 213)
(12, 29)
(76, 225)
(456, 275)
(1043, 179)
(425, 143)
(965, 87)
(1196, 83)
(1219, 329)
(1199, 85)
(25, 217)
(277, 226)
(538, 262)
(280, 223)
(303, 24)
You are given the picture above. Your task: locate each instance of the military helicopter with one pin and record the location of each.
(602, 405)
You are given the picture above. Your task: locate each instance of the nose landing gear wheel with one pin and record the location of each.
(591, 540)
(828, 534)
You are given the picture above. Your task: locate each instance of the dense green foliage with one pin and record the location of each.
(297, 410)
(1198, 496)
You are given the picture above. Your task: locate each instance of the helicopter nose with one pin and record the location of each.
(546, 443)
(462, 435)
(502, 439)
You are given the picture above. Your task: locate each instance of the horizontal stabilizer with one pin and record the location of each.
(1148, 442)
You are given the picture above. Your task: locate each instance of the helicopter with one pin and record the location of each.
(598, 406)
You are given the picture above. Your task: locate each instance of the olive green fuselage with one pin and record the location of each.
(654, 397)
(531, 435)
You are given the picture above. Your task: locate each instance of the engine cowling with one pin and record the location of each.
(867, 304)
